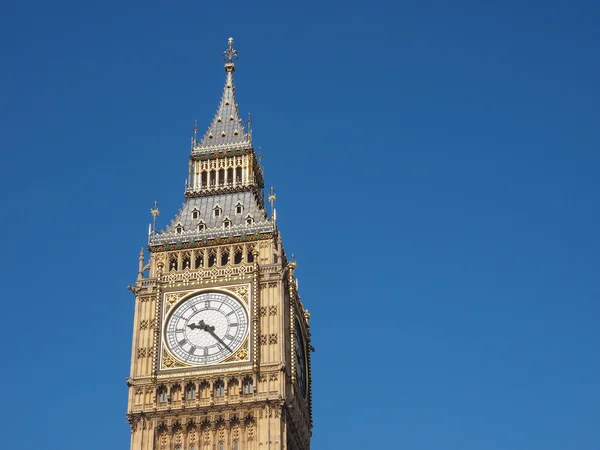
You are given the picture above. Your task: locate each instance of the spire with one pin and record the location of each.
(226, 129)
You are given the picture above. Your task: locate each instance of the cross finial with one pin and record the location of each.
(228, 56)
(155, 212)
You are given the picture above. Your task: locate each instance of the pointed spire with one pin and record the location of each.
(226, 129)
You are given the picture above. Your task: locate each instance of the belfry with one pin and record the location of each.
(221, 340)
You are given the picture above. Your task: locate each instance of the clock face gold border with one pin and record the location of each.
(234, 311)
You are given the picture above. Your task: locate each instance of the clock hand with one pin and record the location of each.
(211, 330)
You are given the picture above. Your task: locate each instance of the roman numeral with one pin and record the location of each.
(207, 304)
(192, 350)
(183, 341)
(233, 324)
(205, 351)
(229, 337)
(232, 312)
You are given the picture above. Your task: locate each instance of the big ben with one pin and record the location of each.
(221, 340)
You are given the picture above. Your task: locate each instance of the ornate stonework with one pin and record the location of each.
(222, 242)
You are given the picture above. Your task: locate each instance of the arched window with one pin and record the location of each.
(249, 220)
(219, 389)
(217, 211)
(201, 226)
(235, 445)
(190, 392)
(239, 208)
(248, 387)
(212, 257)
(224, 256)
(179, 229)
(226, 224)
(163, 397)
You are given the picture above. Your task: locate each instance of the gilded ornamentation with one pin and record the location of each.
(262, 311)
(263, 339)
(273, 310)
(143, 325)
(273, 377)
(241, 291)
(142, 352)
(172, 298)
(168, 362)
(240, 355)
(273, 338)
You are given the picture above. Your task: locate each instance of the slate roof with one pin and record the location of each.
(205, 207)
(226, 129)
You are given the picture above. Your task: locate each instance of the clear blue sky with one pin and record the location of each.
(436, 165)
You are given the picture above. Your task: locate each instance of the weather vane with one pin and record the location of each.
(230, 53)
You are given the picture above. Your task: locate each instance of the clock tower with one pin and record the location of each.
(221, 340)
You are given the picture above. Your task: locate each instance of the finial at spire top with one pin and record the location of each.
(228, 56)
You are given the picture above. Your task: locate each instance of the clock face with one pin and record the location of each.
(300, 359)
(206, 328)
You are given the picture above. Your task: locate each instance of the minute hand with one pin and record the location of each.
(211, 331)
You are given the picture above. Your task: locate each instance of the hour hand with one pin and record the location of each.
(193, 326)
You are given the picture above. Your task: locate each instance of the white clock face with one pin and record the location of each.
(206, 328)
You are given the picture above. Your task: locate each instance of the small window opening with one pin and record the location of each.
(201, 226)
(248, 387)
(237, 256)
(212, 259)
(227, 224)
(250, 255)
(191, 392)
(230, 176)
(199, 260)
(195, 214)
(173, 262)
(249, 220)
(213, 178)
(221, 177)
(224, 257)
(204, 179)
(238, 175)
(239, 208)
(179, 229)
(217, 211)
(219, 389)
(186, 261)
(162, 395)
